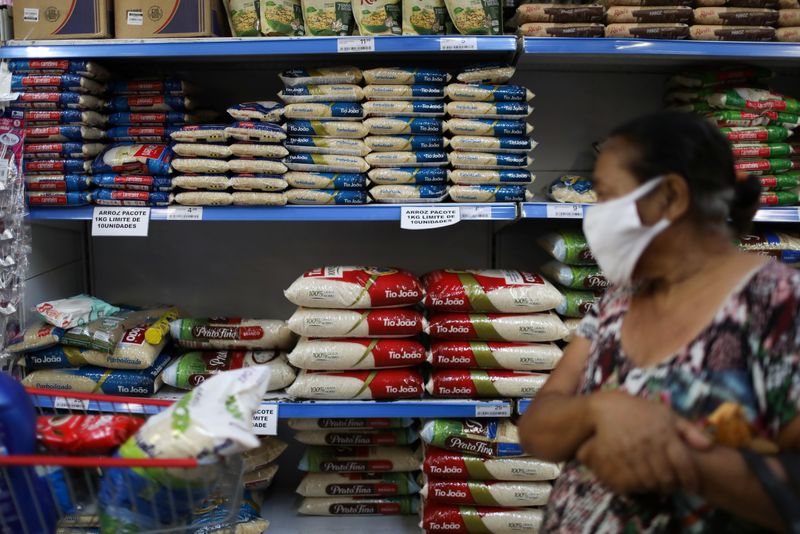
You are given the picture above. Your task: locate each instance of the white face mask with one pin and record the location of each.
(616, 235)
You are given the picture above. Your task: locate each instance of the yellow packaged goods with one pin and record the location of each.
(789, 18)
(231, 334)
(258, 199)
(424, 17)
(156, 332)
(328, 17)
(282, 18)
(269, 450)
(659, 14)
(378, 17)
(476, 17)
(788, 35)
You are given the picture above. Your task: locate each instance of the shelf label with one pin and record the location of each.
(458, 43)
(30, 14)
(265, 420)
(108, 221)
(135, 18)
(426, 217)
(185, 213)
(346, 45)
(476, 212)
(564, 211)
(493, 410)
(65, 403)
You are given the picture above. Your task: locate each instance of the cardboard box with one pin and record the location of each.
(62, 19)
(142, 19)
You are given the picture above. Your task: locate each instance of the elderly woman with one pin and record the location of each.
(689, 357)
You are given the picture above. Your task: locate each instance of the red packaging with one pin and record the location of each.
(355, 288)
(480, 519)
(339, 385)
(458, 384)
(517, 327)
(86, 434)
(494, 355)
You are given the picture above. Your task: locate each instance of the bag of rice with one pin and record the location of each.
(343, 111)
(403, 108)
(321, 197)
(151, 103)
(390, 323)
(525, 328)
(560, 13)
(764, 134)
(355, 385)
(87, 69)
(112, 197)
(404, 92)
(131, 158)
(256, 166)
(62, 134)
(572, 325)
(731, 118)
(200, 165)
(465, 384)
(69, 312)
(260, 479)
(766, 166)
(61, 166)
(91, 379)
(788, 35)
(781, 246)
(105, 333)
(481, 520)
(58, 182)
(62, 150)
(487, 177)
(764, 150)
(357, 484)
(780, 182)
(488, 93)
(346, 287)
(779, 198)
(405, 76)
(257, 132)
(324, 506)
(487, 493)
(326, 180)
(231, 334)
(359, 353)
(327, 145)
(562, 29)
(568, 247)
(141, 134)
(258, 199)
(269, 449)
(258, 150)
(755, 99)
(512, 144)
(364, 438)
(349, 424)
(488, 291)
(58, 101)
(201, 133)
(487, 73)
(408, 175)
(448, 465)
(488, 161)
(573, 189)
(734, 16)
(203, 198)
(577, 303)
(57, 198)
(494, 355)
(397, 194)
(329, 128)
(476, 17)
(265, 111)
(55, 357)
(36, 337)
(575, 276)
(659, 14)
(427, 158)
(663, 30)
(326, 163)
(193, 368)
(400, 143)
(490, 193)
(216, 182)
(132, 351)
(322, 93)
(197, 150)
(65, 116)
(489, 438)
(359, 460)
(321, 76)
(404, 125)
(489, 110)
(258, 182)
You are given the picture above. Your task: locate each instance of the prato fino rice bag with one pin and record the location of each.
(449, 465)
(577, 303)
(494, 355)
(346, 287)
(481, 520)
(487, 493)
(488, 291)
(568, 247)
(193, 368)
(359, 460)
(352, 385)
(527, 328)
(465, 384)
(576, 276)
(488, 438)
(364, 438)
(74, 311)
(346, 423)
(390, 323)
(324, 506)
(231, 334)
(357, 484)
(344, 354)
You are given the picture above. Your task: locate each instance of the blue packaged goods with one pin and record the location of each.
(257, 111)
(487, 73)
(89, 69)
(116, 197)
(339, 129)
(404, 125)
(58, 357)
(58, 182)
(159, 87)
(427, 158)
(480, 143)
(62, 133)
(134, 158)
(488, 438)
(325, 110)
(392, 194)
(50, 166)
(405, 76)
(55, 83)
(133, 182)
(131, 119)
(779, 245)
(573, 189)
(264, 132)
(325, 196)
(141, 134)
(150, 103)
(208, 519)
(408, 175)
(489, 110)
(326, 145)
(322, 93)
(404, 92)
(91, 379)
(201, 133)
(388, 143)
(489, 193)
(326, 180)
(57, 198)
(57, 101)
(488, 160)
(401, 108)
(35, 117)
(325, 163)
(323, 75)
(476, 126)
(488, 93)
(482, 177)
(36, 336)
(63, 150)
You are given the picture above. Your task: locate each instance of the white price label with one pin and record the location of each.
(355, 44)
(185, 213)
(127, 221)
(476, 212)
(265, 420)
(493, 410)
(64, 403)
(564, 211)
(425, 217)
(458, 43)
(30, 14)
(135, 18)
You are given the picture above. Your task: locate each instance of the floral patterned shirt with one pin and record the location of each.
(748, 354)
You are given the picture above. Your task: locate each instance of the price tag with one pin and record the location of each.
(265, 420)
(30, 14)
(64, 403)
(458, 43)
(355, 44)
(564, 211)
(135, 18)
(474, 213)
(108, 221)
(185, 213)
(426, 217)
(493, 410)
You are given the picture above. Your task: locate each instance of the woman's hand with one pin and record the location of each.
(637, 446)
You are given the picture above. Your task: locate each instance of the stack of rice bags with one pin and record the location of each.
(490, 136)
(405, 107)
(358, 333)
(65, 127)
(575, 271)
(758, 122)
(371, 487)
(734, 20)
(86, 345)
(132, 174)
(788, 21)
(560, 20)
(324, 123)
(491, 333)
(782, 246)
(650, 19)
(475, 473)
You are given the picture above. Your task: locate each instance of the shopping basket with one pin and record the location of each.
(161, 495)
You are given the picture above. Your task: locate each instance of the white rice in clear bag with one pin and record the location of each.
(258, 183)
(498, 74)
(327, 145)
(256, 166)
(476, 126)
(403, 92)
(201, 150)
(327, 128)
(490, 193)
(258, 199)
(204, 133)
(434, 158)
(203, 198)
(408, 175)
(395, 194)
(404, 125)
(415, 108)
(480, 177)
(257, 132)
(502, 494)
(474, 143)
(202, 181)
(322, 93)
(200, 165)
(398, 143)
(326, 163)
(340, 111)
(322, 75)
(486, 93)
(487, 160)
(405, 76)
(258, 150)
(489, 110)
(321, 197)
(265, 111)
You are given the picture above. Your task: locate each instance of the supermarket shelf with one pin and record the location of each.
(369, 212)
(789, 214)
(230, 48)
(522, 405)
(553, 210)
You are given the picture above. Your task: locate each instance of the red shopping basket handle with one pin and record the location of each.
(99, 397)
(94, 461)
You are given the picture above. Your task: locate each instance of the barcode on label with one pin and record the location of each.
(184, 213)
(135, 18)
(476, 212)
(564, 211)
(355, 44)
(30, 14)
(458, 43)
(64, 403)
(493, 410)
